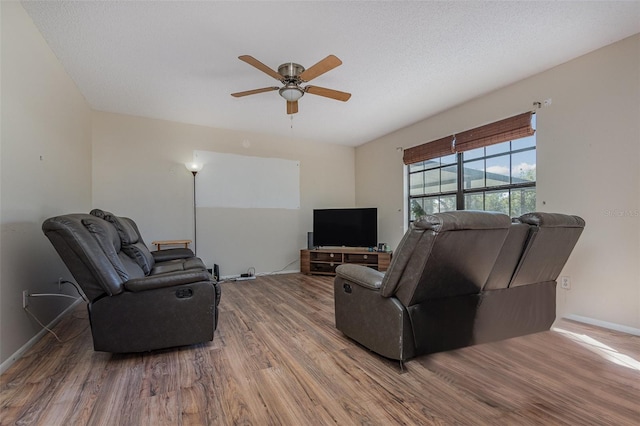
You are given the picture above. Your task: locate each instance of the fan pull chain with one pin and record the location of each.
(291, 116)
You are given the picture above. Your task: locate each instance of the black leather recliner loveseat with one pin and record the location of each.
(458, 279)
(138, 300)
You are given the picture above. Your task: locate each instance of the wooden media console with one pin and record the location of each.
(325, 261)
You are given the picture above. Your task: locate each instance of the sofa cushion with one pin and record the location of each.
(132, 267)
(128, 233)
(99, 213)
(132, 244)
(127, 230)
(109, 242)
(141, 254)
(190, 264)
(165, 255)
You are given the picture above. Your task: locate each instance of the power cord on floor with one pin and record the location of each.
(251, 272)
(279, 270)
(44, 326)
(76, 287)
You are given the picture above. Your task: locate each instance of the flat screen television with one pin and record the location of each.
(354, 227)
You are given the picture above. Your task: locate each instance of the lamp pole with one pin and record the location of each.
(194, 168)
(195, 223)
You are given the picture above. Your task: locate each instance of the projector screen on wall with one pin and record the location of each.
(240, 181)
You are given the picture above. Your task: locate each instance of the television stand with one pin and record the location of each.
(325, 261)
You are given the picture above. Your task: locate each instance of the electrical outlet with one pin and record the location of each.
(565, 283)
(25, 299)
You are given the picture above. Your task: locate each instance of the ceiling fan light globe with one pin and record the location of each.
(291, 93)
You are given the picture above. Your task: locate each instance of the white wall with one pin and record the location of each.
(45, 170)
(139, 172)
(588, 164)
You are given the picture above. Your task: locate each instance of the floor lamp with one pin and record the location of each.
(194, 168)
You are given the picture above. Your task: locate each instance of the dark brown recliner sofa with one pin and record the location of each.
(138, 300)
(457, 279)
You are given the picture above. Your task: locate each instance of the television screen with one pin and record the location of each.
(356, 227)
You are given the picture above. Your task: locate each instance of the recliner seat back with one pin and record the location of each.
(130, 238)
(91, 249)
(509, 257)
(452, 256)
(551, 241)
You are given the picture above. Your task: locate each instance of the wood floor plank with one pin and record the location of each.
(277, 359)
(201, 391)
(240, 403)
(119, 391)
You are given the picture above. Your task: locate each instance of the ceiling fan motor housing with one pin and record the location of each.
(290, 71)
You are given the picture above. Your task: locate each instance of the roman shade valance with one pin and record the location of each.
(509, 129)
(516, 127)
(429, 150)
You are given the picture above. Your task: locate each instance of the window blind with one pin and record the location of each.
(509, 129)
(516, 127)
(429, 150)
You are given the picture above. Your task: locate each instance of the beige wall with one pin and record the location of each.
(138, 171)
(588, 164)
(45, 170)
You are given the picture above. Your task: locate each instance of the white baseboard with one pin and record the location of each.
(287, 271)
(18, 354)
(604, 324)
(260, 274)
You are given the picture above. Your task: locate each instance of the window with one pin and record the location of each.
(499, 177)
(433, 186)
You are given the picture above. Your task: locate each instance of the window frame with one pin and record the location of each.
(460, 192)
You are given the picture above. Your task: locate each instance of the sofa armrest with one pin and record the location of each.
(171, 254)
(361, 275)
(169, 279)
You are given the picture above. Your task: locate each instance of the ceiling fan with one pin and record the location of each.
(292, 75)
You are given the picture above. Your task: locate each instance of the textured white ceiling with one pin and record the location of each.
(402, 61)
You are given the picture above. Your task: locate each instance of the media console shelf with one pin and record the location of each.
(325, 261)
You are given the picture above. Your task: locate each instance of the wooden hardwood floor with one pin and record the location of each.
(277, 359)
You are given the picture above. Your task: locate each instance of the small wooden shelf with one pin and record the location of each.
(325, 261)
(161, 243)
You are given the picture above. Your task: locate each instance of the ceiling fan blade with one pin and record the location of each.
(292, 107)
(328, 93)
(327, 64)
(262, 67)
(254, 91)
